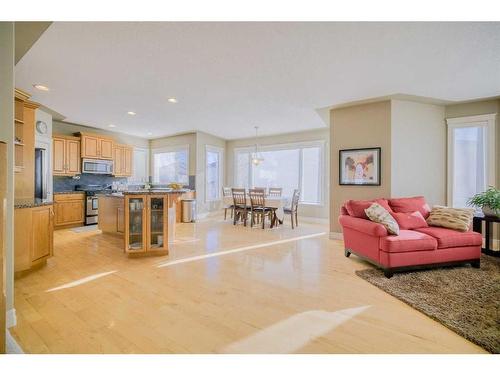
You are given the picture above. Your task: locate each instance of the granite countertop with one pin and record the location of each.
(30, 203)
(153, 191)
(69, 192)
(121, 194)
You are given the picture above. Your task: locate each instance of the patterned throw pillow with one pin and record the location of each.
(452, 218)
(379, 214)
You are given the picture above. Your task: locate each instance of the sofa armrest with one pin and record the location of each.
(363, 225)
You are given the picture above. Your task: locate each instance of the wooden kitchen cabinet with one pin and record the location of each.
(94, 146)
(69, 210)
(66, 155)
(146, 223)
(33, 237)
(122, 157)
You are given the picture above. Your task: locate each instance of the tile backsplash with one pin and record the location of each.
(64, 183)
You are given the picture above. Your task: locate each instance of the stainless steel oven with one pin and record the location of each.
(92, 201)
(97, 166)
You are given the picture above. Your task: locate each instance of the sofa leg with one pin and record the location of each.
(476, 264)
(388, 273)
(347, 253)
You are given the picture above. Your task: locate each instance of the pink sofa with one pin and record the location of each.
(413, 248)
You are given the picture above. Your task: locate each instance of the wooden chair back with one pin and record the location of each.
(295, 199)
(257, 198)
(226, 192)
(275, 192)
(261, 188)
(239, 197)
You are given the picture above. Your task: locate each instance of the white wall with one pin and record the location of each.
(418, 146)
(316, 211)
(7, 135)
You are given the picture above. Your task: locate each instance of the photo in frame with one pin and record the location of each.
(360, 166)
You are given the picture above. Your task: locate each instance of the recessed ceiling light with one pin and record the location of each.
(112, 126)
(172, 100)
(131, 113)
(41, 87)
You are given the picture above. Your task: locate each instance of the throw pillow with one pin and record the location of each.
(379, 214)
(409, 205)
(452, 218)
(412, 220)
(356, 208)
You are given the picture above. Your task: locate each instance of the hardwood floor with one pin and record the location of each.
(292, 295)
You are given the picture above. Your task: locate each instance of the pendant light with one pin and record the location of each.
(256, 157)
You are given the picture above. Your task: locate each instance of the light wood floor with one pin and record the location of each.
(211, 305)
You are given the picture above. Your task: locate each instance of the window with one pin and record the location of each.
(298, 166)
(171, 165)
(141, 162)
(471, 151)
(213, 173)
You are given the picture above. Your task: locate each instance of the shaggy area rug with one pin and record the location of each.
(464, 299)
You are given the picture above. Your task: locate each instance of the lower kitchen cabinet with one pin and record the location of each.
(146, 219)
(69, 209)
(33, 237)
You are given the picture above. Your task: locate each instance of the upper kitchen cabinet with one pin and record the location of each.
(94, 146)
(66, 155)
(24, 145)
(122, 157)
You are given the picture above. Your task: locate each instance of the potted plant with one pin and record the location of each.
(488, 201)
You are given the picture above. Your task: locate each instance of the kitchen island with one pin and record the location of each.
(145, 219)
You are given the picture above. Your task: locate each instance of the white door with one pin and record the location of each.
(471, 157)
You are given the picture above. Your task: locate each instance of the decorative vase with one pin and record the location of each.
(489, 212)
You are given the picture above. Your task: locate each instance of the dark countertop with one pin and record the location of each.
(143, 192)
(30, 203)
(69, 192)
(152, 191)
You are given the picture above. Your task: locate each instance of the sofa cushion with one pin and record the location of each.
(407, 240)
(357, 208)
(410, 220)
(409, 205)
(452, 238)
(452, 218)
(379, 214)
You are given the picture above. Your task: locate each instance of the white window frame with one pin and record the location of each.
(486, 121)
(220, 151)
(161, 150)
(290, 146)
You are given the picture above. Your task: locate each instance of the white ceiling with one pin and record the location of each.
(229, 77)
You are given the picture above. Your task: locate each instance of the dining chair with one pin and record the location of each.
(240, 205)
(261, 188)
(292, 210)
(257, 207)
(226, 192)
(275, 192)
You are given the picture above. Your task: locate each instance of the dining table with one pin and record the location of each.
(279, 203)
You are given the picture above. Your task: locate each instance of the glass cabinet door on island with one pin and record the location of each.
(135, 221)
(157, 228)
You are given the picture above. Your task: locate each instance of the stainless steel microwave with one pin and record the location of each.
(97, 166)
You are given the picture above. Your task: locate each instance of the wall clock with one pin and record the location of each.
(41, 127)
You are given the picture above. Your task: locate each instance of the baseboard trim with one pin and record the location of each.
(12, 345)
(311, 219)
(336, 236)
(11, 319)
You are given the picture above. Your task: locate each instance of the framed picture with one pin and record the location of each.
(359, 166)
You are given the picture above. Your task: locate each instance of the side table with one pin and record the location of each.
(477, 227)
